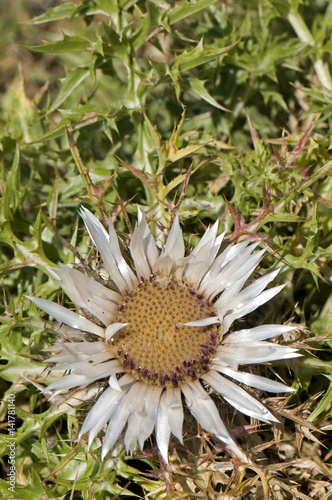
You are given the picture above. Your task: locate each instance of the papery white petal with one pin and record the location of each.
(107, 411)
(225, 361)
(112, 329)
(238, 397)
(143, 248)
(84, 363)
(203, 322)
(93, 373)
(231, 252)
(150, 414)
(232, 302)
(204, 410)
(88, 294)
(234, 273)
(163, 428)
(202, 256)
(196, 266)
(135, 419)
(114, 383)
(119, 419)
(101, 411)
(70, 381)
(174, 246)
(222, 263)
(76, 351)
(109, 249)
(67, 352)
(66, 316)
(228, 317)
(163, 265)
(233, 281)
(121, 264)
(173, 250)
(137, 251)
(208, 237)
(255, 352)
(68, 333)
(257, 333)
(132, 433)
(175, 411)
(104, 408)
(104, 369)
(262, 383)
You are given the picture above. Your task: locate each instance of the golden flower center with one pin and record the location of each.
(156, 346)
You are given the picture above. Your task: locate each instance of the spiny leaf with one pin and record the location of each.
(175, 154)
(67, 44)
(199, 55)
(68, 84)
(185, 9)
(198, 87)
(63, 11)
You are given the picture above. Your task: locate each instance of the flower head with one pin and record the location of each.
(162, 332)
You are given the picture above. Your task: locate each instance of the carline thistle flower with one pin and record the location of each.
(162, 338)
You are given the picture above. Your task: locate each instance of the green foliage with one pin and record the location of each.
(218, 110)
